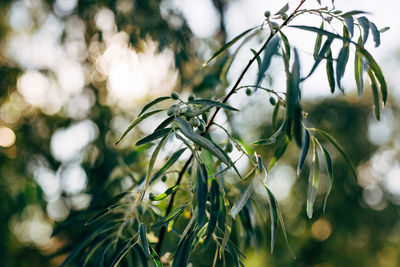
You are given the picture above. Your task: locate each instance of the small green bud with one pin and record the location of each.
(175, 95)
(171, 112)
(196, 122)
(248, 91)
(164, 178)
(272, 101)
(284, 16)
(189, 110)
(191, 97)
(267, 14)
(229, 148)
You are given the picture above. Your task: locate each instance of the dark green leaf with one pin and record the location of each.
(274, 217)
(304, 151)
(375, 94)
(102, 213)
(152, 103)
(200, 140)
(182, 254)
(153, 160)
(213, 103)
(202, 189)
(358, 70)
(142, 256)
(318, 43)
(376, 34)
(287, 45)
(269, 51)
(165, 123)
(364, 23)
(137, 121)
(227, 45)
(155, 258)
(122, 251)
(294, 116)
(214, 210)
(154, 136)
(167, 192)
(329, 70)
(171, 216)
(280, 150)
(342, 60)
(384, 29)
(349, 23)
(320, 56)
(143, 239)
(313, 183)
(258, 58)
(233, 253)
(242, 200)
(169, 163)
(275, 114)
(354, 12)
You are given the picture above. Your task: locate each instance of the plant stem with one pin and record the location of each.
(211, 120)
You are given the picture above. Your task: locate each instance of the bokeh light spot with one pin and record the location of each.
(7, 137)
(321, 229)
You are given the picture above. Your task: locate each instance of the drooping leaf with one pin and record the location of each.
(102, 213)
(171, 216)
(286, 44)
(202, 190)
(294, 116)
(342, 60)
(141, 255)
(274, 218)
(214, 209)
(329, 70)
(182, 254)
(275, 115)
(353, 13)
(136, 122)
(313, 183)
(384, 29)
(269, 51)
(358, 70)
(233, 253)
(155, 258)
(169, 163)
(375, 33)
(335, 143)
(258, 58)
(213, 103)
(348, 19)
(200, 140)
(329, 168)
(320, 56)
(153, 161)
(375, 94)
(242, 200)
(154, 136)
(303, 151)
(152, 103)
(364, 23)
(167, 192)
(165, 123)
(143, 239)
(227, 45)
(122, 251)
(318, 43)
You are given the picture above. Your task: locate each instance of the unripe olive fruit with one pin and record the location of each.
(196, 122)
(170, 112)
(175, 95)
(284, 16)
(248, 91)
(191, 97)
(229, 148)
(272, 101)
(267, 14)
(164, 178)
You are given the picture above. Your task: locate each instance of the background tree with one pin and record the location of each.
(29, 207)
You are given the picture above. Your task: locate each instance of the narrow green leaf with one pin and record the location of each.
(376, 34)
(375, 94)
(227, 45)
(358, 70)
(320, 56)
(200, 140)
(182, 254)
(122, 251)
(137, 121)
(283, 9)
(213, 103)
(274, 217)
(202, 189)
(143, 239)
(152, 103)
(329, 168)
(313, 182)
(329, 70)
(142, 256)
(349, 23)
(242, 200)
(354, 12)
(153, 161)
(318, 43)
(333, 141)
(154, 136)
(364, 23)
(165, 123)
(169, 163)
(286, 44)
(270, 50)
(167, 192)
(279, 151)
(342, 60)
(384, 29)
(233, 253)
(214, 209)
(258, 58)
(267, 141)
(303, 151)
(294, 116)
(102, 213)
(171, 216)
(155, 258)
(275, 115)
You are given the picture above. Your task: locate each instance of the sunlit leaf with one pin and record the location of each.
(313, 183)
(242, 200)
(171, 216)
(227, 45)
(167, 192)
(375, 94)
(303, 151)
(137, 121)
(155, 258)
(152, 103)
(269, 51)
(213, 103)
